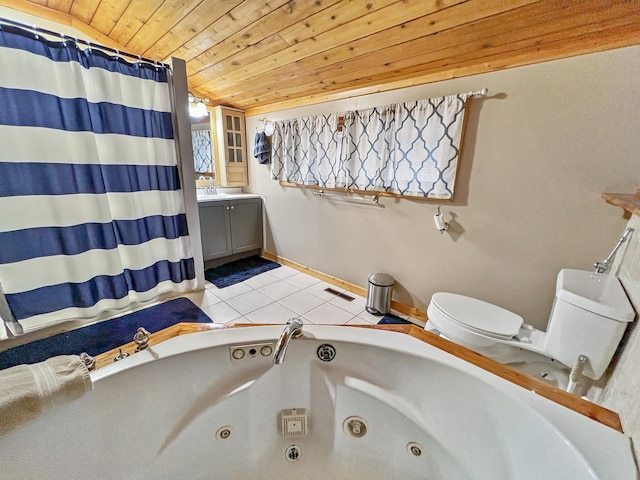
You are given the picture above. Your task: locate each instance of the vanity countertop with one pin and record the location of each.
(225, 196)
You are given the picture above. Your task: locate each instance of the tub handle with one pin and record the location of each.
(141, 338)
(88, 360)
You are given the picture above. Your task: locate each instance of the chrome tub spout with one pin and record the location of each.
(292, 329)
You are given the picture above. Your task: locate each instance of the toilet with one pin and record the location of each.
(589, 316)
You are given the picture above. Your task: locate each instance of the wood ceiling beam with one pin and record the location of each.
(361, 54)
(266, 54)
(66, 19)
(132, 20)
(203, 21)
(355, 43)
(604, 40)
(263, 39)
(84, 10)
(107, 15)
(244, 14)
(364, 69)
(363, 26)
(257, 40)
(168, 14)
(63, 6)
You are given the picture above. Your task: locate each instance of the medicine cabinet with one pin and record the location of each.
(230, 146)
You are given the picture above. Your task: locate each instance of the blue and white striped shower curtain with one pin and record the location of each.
(91, 210)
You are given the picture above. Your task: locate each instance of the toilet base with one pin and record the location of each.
(550, 372)
(532, 364)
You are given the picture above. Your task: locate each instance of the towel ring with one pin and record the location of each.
(263, 122)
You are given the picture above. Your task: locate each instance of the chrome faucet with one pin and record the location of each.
(603, 267)
(211, 189)
(292, 329)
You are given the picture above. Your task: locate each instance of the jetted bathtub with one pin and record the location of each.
(379, 405)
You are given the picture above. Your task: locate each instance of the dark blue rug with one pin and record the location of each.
(239, 271)
(391, 319)
(104, 336)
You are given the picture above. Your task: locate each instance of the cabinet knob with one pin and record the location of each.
(227, 208)
(232, 207)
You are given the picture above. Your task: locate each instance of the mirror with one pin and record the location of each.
(202, 142)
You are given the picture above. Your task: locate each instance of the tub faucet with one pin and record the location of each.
(603, 267)
(292, 329)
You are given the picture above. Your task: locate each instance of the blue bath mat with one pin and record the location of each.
(391, 319)
(104, 336)
(239, 271)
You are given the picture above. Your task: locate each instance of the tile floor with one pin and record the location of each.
(279, 294)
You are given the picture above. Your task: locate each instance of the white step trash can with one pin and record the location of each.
(379, 293)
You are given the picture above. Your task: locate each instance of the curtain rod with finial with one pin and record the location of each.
(479, 93)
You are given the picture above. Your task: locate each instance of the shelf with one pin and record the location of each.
(630, 203)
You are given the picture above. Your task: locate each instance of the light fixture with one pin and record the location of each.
(197, 106)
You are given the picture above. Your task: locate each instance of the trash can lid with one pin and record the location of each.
(381, 279)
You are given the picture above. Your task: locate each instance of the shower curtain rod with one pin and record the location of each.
(35, 29)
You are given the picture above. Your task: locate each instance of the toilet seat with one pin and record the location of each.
(477, 316)
(437, 316)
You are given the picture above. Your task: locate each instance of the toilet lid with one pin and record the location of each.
(478, 315)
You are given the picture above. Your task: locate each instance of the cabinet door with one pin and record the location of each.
(214, 228)
(234, 140)
(246, 224)
(232, 146)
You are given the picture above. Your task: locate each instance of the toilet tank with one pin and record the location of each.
(589, 316)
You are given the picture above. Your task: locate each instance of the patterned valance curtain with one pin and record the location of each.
(91, 211)
(410, 149)
(367, 148)
(304, 150)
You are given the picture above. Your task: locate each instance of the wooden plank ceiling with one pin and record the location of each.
(265, 55)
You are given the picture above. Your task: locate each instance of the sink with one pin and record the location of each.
(216, 196)
(225, 196)
(596, 292)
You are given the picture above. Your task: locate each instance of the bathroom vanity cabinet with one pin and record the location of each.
(230, 226)
(230, 145)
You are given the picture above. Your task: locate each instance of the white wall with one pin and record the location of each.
(538, 152)
(622, 391)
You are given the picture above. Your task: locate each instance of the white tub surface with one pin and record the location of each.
(155, 416)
